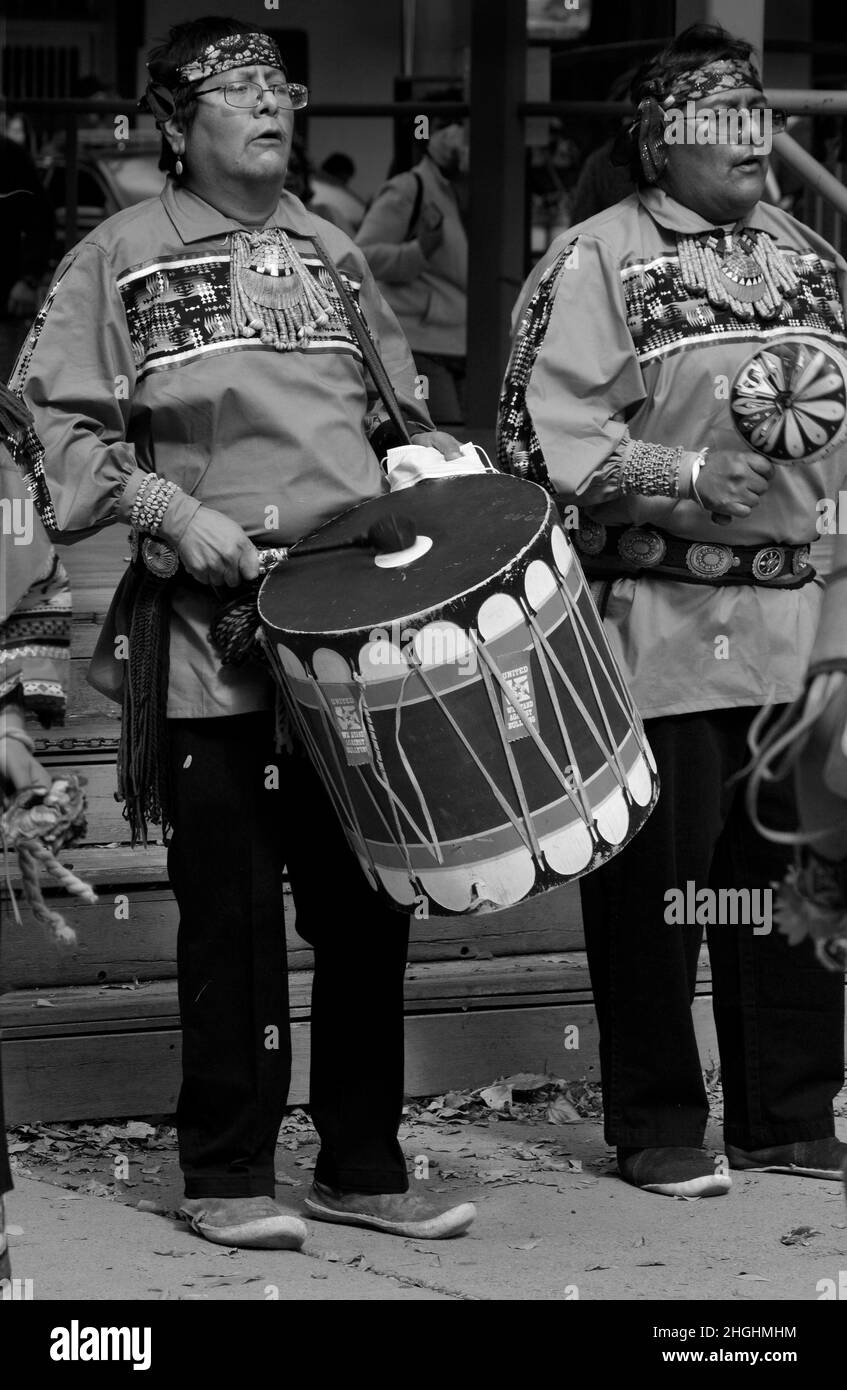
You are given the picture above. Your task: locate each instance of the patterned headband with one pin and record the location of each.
(724, 75)
(234, 51)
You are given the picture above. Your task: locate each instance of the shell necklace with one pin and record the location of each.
(272, 292)
(745, 272)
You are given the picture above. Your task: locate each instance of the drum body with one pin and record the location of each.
(463, 709)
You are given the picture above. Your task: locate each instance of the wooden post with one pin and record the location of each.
(497, 179)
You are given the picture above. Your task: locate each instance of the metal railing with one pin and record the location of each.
(826, 203)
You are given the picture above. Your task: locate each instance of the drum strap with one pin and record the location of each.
(364, 338)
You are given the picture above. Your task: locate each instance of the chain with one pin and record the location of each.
(47, 745)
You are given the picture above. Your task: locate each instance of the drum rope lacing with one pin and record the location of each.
(346, 812)
(492, 785)
(509, 755)
(610, 751)
(331, 736)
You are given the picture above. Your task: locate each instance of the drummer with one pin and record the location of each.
(658, 405)
(192, 373)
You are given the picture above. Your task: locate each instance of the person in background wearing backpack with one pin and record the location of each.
(413, 236)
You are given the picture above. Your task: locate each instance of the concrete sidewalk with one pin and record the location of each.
(553, 1223)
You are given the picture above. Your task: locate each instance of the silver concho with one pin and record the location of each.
(159, 558)
(800, 559)
(769, 562)
(641, 547)
(708, 560)
(591, 536)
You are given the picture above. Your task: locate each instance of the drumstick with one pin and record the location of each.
(389, 533)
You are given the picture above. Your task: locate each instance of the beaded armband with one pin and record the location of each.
(151, 503)
(652, 470)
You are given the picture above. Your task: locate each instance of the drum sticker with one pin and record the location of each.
(518, 676)
(344, 703)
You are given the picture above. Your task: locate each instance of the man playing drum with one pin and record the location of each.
(688, 397)
(194, 373)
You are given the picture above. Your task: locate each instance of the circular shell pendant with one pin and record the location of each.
(789, 401)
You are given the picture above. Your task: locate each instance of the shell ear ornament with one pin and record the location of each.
(652, 149)
(179, 167)
(158, 100)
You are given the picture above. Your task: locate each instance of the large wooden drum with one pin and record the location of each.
(460, 700)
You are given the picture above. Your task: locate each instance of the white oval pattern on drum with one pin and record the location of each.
(291, 664)
(381, 659)
(640, 782)
(330, 667)
(442, 644)
(498, 615)
(502, 882)
(540, 584)
(568, 851)
(562, 550)
(612, 817)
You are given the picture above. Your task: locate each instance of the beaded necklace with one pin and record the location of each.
(272, 293)
(745, 272)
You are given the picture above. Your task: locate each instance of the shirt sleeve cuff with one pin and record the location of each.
(179, 512)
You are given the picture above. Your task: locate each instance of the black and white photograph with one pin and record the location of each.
(423, 671)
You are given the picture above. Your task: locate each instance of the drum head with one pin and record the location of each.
(478, 526)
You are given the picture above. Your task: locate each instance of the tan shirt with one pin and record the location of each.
(625, 354)
(135, 365)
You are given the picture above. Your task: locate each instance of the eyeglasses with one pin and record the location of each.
(733, 117)
(244, 95)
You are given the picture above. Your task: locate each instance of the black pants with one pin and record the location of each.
(779, 1015)
(233, 833)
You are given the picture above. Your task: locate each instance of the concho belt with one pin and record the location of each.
(635, 551)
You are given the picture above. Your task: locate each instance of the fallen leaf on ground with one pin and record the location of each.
(527, 1245)
(496, 1097)
(589, 1269)
(287, 1182)
(760, 1278)
(459, 1100)
(561, 1112)
(528, 1081)
(44, 1004)
(497, 1174)
(138, 1129)
(800, 1235)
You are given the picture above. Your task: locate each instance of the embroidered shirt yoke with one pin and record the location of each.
(134, 364)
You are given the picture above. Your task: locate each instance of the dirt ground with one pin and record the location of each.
(554, 1222)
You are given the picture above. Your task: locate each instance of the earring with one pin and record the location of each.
(180, 167)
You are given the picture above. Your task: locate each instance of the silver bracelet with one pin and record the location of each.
(652, 470)
(151, 503)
